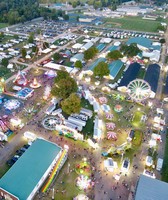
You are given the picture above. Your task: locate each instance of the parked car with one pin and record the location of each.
(10, 162)
(149, 173)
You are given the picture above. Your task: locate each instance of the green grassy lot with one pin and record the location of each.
(137, 119)
(137, 140)
(141, 73)
(133, 23)
(2, 25)
(165, 162)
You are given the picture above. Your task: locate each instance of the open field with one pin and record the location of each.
(165, 163)
(133, 23)
(2, 25)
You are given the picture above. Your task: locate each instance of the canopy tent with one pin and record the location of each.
(111, 135)
(110, 126)
(81, 197)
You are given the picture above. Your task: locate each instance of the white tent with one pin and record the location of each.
(3, 137)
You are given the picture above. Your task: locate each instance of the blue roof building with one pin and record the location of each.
(27, 175)
(140, 41)
(152, 76)
(130, 74)
(114, 68)
(96, 62)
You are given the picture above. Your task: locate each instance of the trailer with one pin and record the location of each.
(159, 164)
(76, 121)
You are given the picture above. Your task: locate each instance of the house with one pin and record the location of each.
(76, 57)
(87, 46)
(77, 46)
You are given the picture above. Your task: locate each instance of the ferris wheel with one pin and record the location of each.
(139, 90)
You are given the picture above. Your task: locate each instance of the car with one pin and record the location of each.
(10, 162)
(15, 158)
(19, 153)
(125, 165)
(26, 146)
(23, 149)
(105, 154)
(149, 173)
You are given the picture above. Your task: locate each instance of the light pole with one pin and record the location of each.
(53, 194)
(68, 168)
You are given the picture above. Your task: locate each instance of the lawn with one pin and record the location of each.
(2, 25)
(137, 140)
(136, 122)
(141, 73)
(165, 162)
(133, 23)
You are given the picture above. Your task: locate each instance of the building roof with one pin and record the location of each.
(113, 48)
(145, 42)
(151, 189)
(96, 63)
(24, 175)
(115, 67)
(130, 74)
(87, 46)
(152, 76)
(79, 56)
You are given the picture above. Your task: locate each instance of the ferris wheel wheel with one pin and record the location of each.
(139, 90)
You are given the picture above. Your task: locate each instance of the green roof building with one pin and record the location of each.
(26, 176)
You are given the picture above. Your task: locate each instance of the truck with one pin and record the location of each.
(159, 164)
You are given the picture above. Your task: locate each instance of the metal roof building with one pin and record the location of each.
(151, 189)
(144, 42)
(96, 62)
(115, 67)
(130, 74)
(152, 76)
(87, 46)
(27, 175)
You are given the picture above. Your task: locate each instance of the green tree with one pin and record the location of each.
(34, 49)
(78, 64)
(61, 74)
(101, 70)
(114, 55)
(131, 50)
(23, 52)
(5, 62)
(72, 104)
(64, 88)
(162, 41)
(90, 53)
(31, 38)
(56, 56)
(74, 4)
(45, 45)
(66, 17)
(161, 28)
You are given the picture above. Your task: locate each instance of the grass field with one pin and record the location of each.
(2, 25)
(137, 119)
(133, 23)
(165, 163)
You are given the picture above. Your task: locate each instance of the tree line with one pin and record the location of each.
(19, 11)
